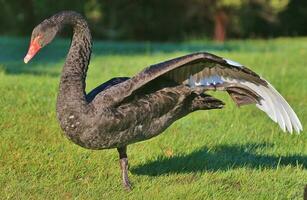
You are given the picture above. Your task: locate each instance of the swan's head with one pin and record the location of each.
(42, 35)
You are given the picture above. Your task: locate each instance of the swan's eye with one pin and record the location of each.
(34, 47)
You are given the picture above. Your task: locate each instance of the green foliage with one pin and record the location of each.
(162, 20)
(279, 5)
(221, 154)
(294, 24)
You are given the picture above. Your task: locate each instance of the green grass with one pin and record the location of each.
(223, 154)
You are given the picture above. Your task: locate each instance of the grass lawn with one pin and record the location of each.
(223, 154)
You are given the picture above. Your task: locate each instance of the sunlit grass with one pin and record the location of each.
(222, 154)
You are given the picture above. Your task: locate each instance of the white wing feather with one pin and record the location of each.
(274, 105)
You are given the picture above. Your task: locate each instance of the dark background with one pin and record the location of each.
(165, 20)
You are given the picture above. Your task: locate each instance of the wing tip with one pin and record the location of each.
(277, 108)
(293, 129)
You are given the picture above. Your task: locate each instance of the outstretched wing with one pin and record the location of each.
(213, 73)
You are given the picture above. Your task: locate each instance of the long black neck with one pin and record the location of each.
(71, 98)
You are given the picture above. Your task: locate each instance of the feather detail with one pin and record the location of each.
(211, 72)
(272, 103)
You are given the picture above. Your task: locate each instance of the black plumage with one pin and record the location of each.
(126, 110)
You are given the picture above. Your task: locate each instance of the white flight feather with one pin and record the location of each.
(273, 104)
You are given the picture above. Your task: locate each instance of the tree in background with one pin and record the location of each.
(223, 12)
(245, 18)
(177, 19)
(259, 18)
(293, 18)
(164, 20)
(145, 19)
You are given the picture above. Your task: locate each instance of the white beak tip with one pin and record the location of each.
(26, 59)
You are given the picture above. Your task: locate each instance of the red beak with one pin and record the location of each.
(33, 49)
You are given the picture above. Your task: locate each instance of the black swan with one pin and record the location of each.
(124, 110)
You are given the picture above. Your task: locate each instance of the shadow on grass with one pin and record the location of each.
(222, 157)
(14, 49)
(39, 69)
(11, 60)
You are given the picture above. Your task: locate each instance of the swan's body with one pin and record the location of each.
(124, 110)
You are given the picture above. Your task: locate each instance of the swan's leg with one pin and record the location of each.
(123, 162)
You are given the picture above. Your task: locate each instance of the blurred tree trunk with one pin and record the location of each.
(220, 25)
